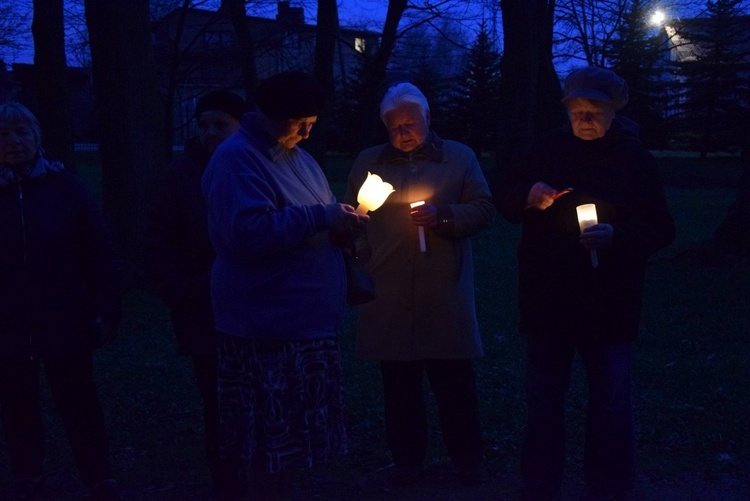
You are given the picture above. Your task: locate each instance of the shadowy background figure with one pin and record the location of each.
(59, 300)
(570, 303)
(423, 319)
(178, 260)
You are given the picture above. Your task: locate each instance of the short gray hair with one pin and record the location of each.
(404, 92)
(14, 112)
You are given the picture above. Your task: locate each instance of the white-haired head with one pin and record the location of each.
(404, 92)
(15, 113)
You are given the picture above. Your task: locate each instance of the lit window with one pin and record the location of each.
(359, 45)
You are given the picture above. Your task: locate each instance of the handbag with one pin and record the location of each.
(360, 287)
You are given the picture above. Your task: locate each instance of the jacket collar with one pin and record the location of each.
(262, 139)
(431, 150)
(39, 168)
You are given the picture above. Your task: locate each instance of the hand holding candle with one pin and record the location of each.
(587, 217)
(373, 193)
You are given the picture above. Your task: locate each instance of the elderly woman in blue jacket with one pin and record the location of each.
(277, 287)
(59, 300)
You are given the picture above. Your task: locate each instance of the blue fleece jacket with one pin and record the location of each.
(277, 275)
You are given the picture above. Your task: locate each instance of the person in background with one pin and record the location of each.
(59, 301)
(572, 303)
(423, 319)
(278, 288)
(178, 260)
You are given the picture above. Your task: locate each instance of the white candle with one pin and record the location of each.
(587, 217)
(420, 229)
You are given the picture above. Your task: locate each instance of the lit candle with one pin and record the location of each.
(422, 244)
(373, 193)
(587, 217)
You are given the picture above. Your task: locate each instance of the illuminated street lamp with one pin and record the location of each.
(658, 18)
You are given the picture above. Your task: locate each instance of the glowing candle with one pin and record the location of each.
(587, 217)
(422, 244)
(373, 193)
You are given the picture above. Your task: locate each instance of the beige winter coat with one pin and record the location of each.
(425, 301)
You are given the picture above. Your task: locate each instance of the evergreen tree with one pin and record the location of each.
(635, 55)
(478, 102)
(715, 83)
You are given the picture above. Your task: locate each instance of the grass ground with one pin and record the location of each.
(691, 376)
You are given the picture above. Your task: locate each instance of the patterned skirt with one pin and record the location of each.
(281, 403)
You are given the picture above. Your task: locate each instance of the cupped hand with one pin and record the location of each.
(342, 217)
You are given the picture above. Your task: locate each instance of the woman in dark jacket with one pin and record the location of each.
(59, 300)
(178, 263)
(582, 292)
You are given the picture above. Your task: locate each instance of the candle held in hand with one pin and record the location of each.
(587, 217)
(422, 243)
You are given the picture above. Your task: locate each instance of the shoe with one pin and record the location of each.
(106, 490)
(25, 488)
(406, 474)
(473, 475)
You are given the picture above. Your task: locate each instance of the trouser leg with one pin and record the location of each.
(609, 455)
(548, 370)
(225, 472)
(205, 371)
(71, 380)
(21, 417)
(454, 384)
(405, 416)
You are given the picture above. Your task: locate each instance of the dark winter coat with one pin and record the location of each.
(179, 255)
(425, 301)
(58, 267)
(560, 292)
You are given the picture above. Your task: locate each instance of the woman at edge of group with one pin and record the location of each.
(59, 300)
(570, 302)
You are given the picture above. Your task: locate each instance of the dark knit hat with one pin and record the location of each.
(292, 94)
(221, 100)
(596, 83)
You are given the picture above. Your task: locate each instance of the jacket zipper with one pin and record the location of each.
(25, 270)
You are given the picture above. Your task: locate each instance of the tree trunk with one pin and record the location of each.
(128, 114)
(529, 87)
(235, 10)
(173, 80)
(326, 35)
(375, 72)
(51, 80)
